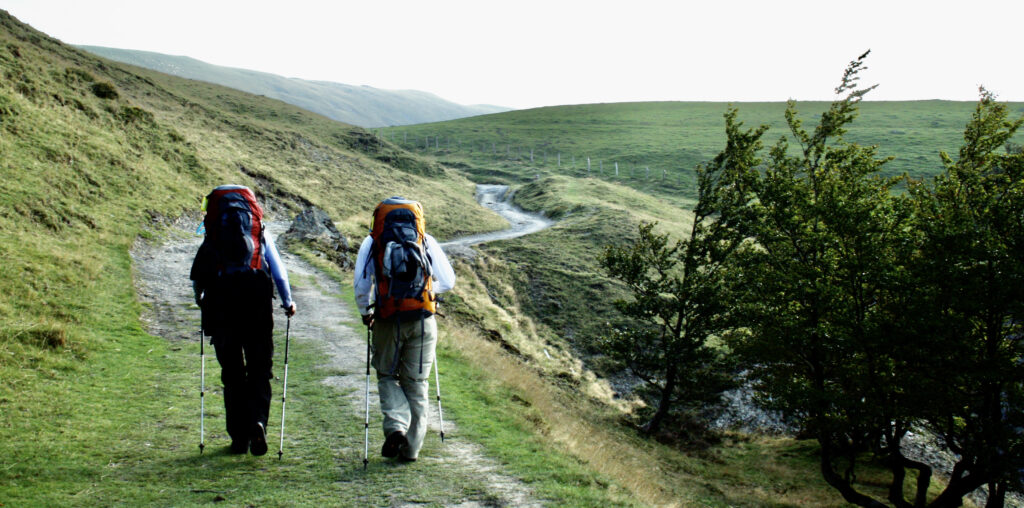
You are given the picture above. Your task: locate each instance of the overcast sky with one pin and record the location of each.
(528, 53)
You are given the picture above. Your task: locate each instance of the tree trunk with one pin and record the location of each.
(959, 486)
(924, 479)
(996, 495)
(899, 476)
(839, 483)
(665, 403)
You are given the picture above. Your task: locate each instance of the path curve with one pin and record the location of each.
(162, 282)
(498, 198)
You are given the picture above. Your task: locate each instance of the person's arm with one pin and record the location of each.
(439, 264)
(280, 275)
(362, 280)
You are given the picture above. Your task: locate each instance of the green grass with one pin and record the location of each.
(83, 173)
(491, 413)
(555, 273)
(125, 428)
(670, 136)
(94, 411)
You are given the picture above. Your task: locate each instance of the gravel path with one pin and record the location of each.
(497, 198)
(162, 282)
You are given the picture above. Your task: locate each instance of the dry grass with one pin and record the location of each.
(566, 424)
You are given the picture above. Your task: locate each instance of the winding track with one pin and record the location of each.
(497, 198)
(162, 281)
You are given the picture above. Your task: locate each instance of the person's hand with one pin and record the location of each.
(368, 320)
(290, 311)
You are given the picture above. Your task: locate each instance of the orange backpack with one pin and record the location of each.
(404, 286)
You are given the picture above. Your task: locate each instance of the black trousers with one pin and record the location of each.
(245, 355)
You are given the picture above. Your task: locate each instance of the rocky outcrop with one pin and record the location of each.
(315, 228)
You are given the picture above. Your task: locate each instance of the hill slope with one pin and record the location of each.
(358, 105)
(670, 138)
(95, 411)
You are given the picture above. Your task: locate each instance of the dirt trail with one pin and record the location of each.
(162, 281)
(497, 198)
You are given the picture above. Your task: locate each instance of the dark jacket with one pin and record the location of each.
(238, 300)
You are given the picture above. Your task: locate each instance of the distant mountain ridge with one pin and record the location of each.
(364, 106)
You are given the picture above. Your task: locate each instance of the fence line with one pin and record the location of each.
(518, 154)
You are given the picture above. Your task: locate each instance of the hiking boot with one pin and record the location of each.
(258, 440)
(238, 447)
(404, 453)
(395, 441)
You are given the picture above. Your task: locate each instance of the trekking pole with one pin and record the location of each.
(284, 390)
(366, 424)
(202, 391)
(437, 378)
(437, 384)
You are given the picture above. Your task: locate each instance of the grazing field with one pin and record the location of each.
(670, 138)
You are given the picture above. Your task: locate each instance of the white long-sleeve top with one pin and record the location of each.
(444, 275)
(278, 272)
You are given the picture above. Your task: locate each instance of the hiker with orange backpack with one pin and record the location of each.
(399, 272)
(233, 276)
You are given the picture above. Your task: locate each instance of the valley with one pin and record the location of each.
(105, 165)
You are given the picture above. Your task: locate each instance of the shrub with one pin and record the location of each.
(132, 114)
(104, 90)
(76, 74)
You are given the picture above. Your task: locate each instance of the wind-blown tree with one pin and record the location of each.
(970, 273)
(869, 311)
(679, 292)
(824, 262)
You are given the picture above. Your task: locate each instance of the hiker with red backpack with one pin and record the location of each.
(399, 272)
(233, 276)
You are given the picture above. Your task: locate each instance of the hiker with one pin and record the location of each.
(231, 276)
(402, 269)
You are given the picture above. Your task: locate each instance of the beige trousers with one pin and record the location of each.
(403, 354)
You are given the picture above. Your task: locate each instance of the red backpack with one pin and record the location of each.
(234, 226)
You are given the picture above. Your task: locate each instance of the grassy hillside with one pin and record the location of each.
(552, 278)
(556, 274)
(358, 105)
(94, 411)
(92, 152)
(668, 137)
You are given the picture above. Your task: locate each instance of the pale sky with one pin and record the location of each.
(529, 53)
